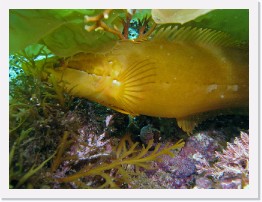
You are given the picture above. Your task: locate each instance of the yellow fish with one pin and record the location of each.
(178, 73)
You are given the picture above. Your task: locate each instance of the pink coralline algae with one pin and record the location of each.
(231, 169)
(199, 164)
(89, 144)
(180, 172)
(94, 146)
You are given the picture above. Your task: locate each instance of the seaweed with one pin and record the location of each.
(127, 154)
(38, 105)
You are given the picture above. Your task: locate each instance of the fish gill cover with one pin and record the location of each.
(71, 142)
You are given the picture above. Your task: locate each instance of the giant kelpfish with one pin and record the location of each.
(180, 72)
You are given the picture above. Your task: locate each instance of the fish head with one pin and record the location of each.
(91, 76)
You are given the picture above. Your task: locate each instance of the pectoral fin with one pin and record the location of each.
(135, 80)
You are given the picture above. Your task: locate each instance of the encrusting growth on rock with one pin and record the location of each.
(126, 154)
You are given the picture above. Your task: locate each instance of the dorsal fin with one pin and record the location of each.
(194, 35)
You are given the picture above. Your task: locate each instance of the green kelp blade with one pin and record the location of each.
(61, 30)
(232, 21)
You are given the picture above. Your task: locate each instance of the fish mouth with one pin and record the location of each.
(85, 72)
(87, 63)
(79, 82)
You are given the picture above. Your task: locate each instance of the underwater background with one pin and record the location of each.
(60, 140)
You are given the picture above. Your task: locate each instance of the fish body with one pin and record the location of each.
(163, 77)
